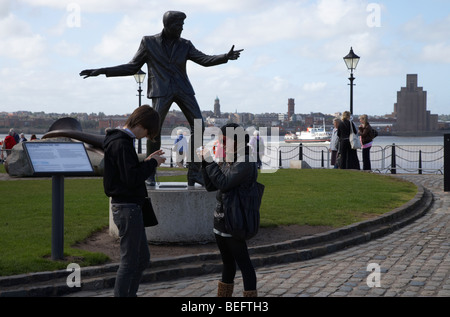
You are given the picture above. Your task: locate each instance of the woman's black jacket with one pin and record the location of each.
(225, 177)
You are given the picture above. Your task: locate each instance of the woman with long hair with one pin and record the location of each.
(348, 156)
(238, 169)
(366, 134)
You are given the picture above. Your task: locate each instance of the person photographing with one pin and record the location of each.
(124, 181)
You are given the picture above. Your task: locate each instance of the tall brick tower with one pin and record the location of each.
(217, 107)
(291, 108)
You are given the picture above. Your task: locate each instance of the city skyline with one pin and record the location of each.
(292, 49)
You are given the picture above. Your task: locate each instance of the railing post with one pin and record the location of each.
(447, 162)
(420, 162)
(280, 163)
(323, 162)
(300, 152)
(393, 161)
(328, 159)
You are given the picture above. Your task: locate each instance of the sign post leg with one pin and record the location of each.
(57, 217)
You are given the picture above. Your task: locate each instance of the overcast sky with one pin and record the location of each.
(292, 49)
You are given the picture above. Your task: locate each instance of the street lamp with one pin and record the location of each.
(139, 76)
(351, 60)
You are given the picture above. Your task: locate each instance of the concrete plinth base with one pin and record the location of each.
(296, 164)
(184, 215)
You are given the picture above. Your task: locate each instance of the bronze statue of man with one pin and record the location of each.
(166, 55)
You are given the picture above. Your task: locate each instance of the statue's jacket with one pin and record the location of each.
(167, 70)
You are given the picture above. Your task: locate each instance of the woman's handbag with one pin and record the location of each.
(148, 214)
(242, 210)
(355, 142)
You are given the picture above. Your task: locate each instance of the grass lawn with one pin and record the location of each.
(303, 197)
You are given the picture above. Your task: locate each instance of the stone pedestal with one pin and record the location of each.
(296, 164)
(185, 216)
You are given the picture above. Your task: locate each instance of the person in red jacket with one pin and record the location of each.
(8, 144)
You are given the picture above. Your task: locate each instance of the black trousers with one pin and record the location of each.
(235, 251)
(191, 110)
(366, 159)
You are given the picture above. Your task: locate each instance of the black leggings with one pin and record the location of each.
(235, 251)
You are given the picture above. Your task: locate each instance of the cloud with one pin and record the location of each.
(121, 43)
(19, 42)
(64, 48)
(331, 12)
(5, 6)
(436, 53)
(418, 29)
(314, 87)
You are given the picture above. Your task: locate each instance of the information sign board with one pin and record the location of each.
(63, 158)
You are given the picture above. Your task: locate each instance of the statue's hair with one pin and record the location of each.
(171, 16)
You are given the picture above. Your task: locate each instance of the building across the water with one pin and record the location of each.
(411, 108)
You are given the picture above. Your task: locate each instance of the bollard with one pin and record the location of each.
(447, 162)
(300, 152)
(57, 217)
(393, 162)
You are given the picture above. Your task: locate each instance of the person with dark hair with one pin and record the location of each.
(124, 181)
(166, 55)
(237, 170)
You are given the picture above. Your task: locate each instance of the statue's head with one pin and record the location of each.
(173, 23)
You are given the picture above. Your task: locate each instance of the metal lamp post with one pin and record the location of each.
(139, 77)
(351, 60)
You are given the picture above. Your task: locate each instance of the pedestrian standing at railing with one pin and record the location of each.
(366, 134)
(22, 138)
(334, 143)
(8, 143)
(258, 147)
(180, 148)
(348, 157)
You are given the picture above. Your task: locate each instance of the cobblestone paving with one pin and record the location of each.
(413, 261)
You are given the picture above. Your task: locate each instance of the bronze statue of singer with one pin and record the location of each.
(166, 55)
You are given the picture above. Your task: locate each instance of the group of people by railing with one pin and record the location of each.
(10, 141)
(384, 159)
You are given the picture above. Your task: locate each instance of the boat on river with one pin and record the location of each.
(311, 135)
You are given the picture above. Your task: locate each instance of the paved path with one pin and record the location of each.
(412, 261)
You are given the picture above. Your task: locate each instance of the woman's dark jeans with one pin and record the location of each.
(235, 251)
(366, 159)
(134, 251)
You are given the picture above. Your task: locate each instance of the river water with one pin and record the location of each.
(409, 151)
(381, 140)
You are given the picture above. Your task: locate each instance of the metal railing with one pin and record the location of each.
(389, 159)
(420, 159)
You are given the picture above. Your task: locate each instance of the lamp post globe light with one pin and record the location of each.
(139, 77)
(351, 60)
